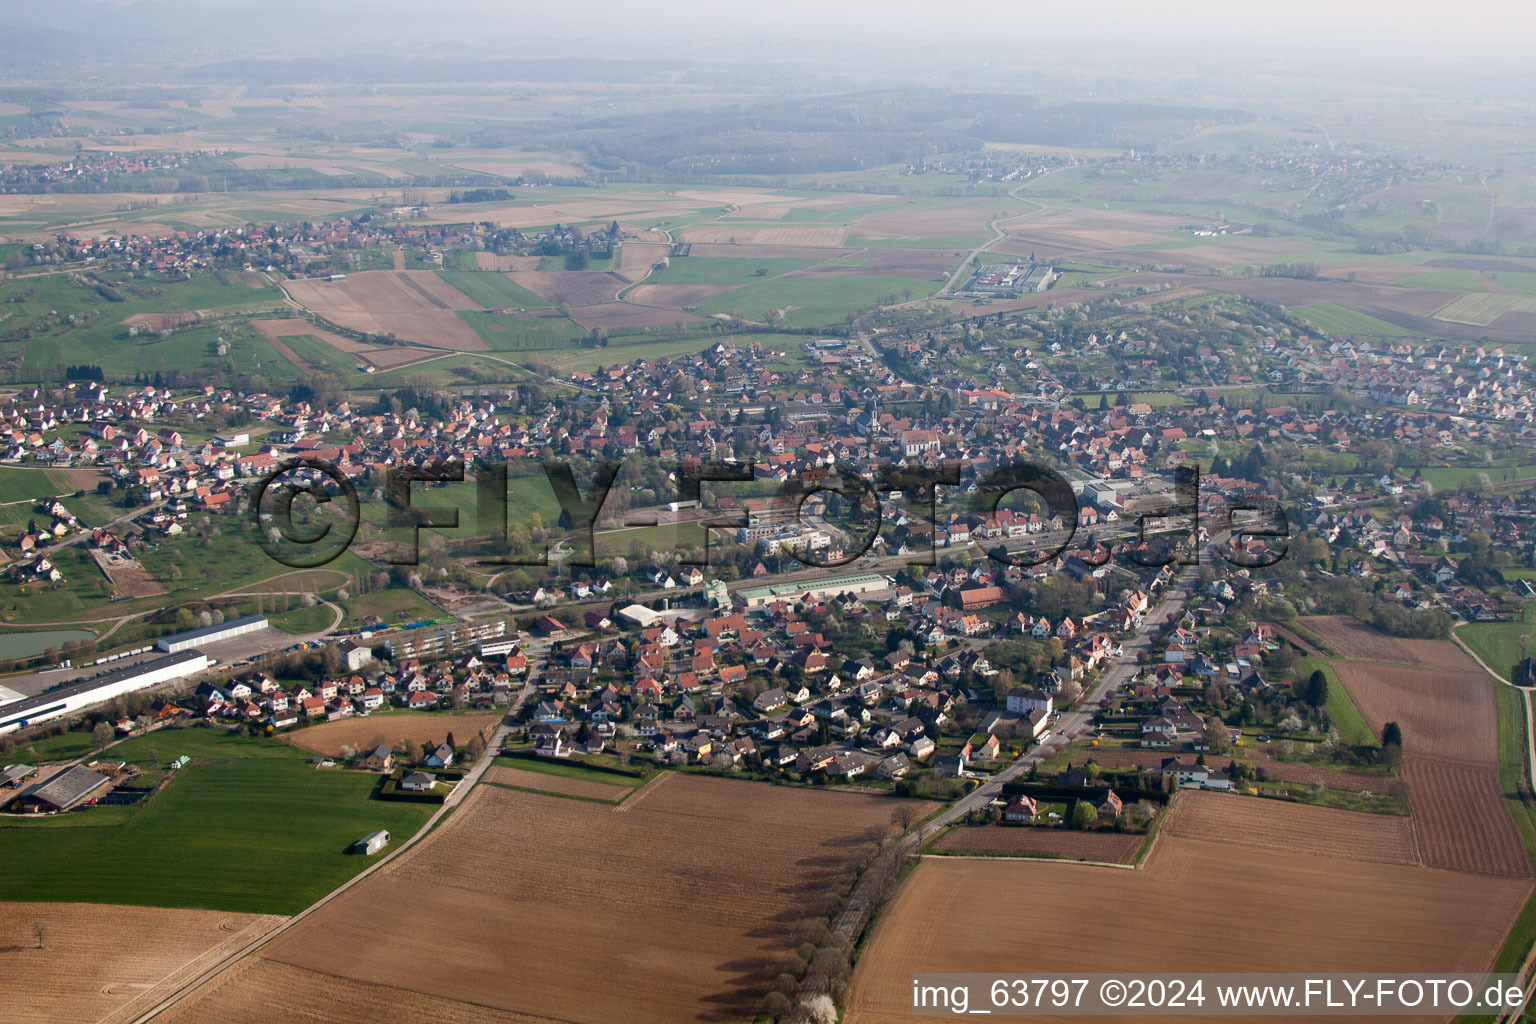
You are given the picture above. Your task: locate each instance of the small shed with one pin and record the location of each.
(371, 843)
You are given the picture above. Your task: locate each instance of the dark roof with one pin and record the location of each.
(67, 789)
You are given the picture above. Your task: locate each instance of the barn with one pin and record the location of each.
(66, 790)
(371, 843)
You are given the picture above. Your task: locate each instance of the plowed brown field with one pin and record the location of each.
(575, 287)
(1462, 819)
(1301, 912)
(1448, 715)
(1055, 843)
(365, 733)
(686, 907)
(106, 963)
(1449, 719)
(501, 775)
(1292, 828)
(413, 305)
(1355, 641)
(745, 234)
(677, 295)
(258, 991)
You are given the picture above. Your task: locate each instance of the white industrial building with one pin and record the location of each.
(212, 634)
(74, 697)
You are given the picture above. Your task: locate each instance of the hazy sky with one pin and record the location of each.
(1403, 32)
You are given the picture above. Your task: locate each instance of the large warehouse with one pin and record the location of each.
(212, 634)
(857, 584)
(66, 700)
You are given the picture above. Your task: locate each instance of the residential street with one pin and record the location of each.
(1071, 725)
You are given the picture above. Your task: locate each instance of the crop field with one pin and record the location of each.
(363, 734)
(1446, 715)
(277, 828)
(384, 357)
(414, 306)
(637, 258)
(617, 316)
(72, 963)
(258, 991)
(1450, 754)
(1195, 905)
(1463, 821)
(1353, 640)
(491, 290)
(751, 234)
(687, 900)
(501, 775)
(20, 484)
(1482, 308)
(1049, 843)
(1292, 828)
(571, 287)
(1336, 319)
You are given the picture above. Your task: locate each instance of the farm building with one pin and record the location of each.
(371, 843)
(15, 774)
(65, 700)
(212, 634)
(63, 791)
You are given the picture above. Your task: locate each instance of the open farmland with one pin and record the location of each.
(618, 316)
(1379, 917)
(414, 306)
(384, 357)
(250, 826)
(571, 287)
(1446, 715)
(1450, 754)
(74, 963)
(1052, 843)
(1462, 819)
(1293, 828)
(1355, 641)
(257, 991)
(745, 234)
(687, 899)
(359, 733)
(1482, 308)
(519, 778)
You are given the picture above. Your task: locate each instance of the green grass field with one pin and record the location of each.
(98, 335)
(505, 333)
(1445, 280)
(1498, 643)
(724, 270)
(816, 301)
(1346, 718)
(1452, 477)
(394, 605)
(63, 747)
(19, 484)
(302, 620)
(492, 289)
(1335, 319)
(249, 826)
